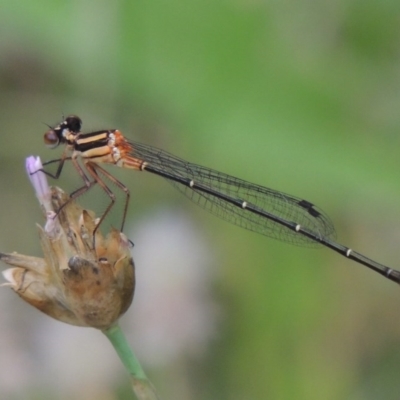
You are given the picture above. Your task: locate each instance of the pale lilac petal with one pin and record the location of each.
(39, 181)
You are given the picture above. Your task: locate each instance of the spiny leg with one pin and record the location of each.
(78, 192)
(93, 169)
(61, 161)
(60, 166)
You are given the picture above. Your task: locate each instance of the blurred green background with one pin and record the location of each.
(300, 96)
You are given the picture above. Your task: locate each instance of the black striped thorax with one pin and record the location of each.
(93, 140)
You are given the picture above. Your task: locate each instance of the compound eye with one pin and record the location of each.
(51, 139)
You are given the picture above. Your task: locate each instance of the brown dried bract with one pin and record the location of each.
(75, 283)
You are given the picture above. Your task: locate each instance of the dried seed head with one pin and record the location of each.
(74, 283)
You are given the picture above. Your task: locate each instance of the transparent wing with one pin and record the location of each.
(288, 207)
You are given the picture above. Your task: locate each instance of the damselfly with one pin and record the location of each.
(257, 208)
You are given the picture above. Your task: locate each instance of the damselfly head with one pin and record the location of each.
(62, 133)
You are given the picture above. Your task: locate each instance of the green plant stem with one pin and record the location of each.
(141, 385)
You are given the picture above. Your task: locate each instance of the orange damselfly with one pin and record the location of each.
(254, 207)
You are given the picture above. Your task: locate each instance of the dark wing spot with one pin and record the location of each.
(309, 207)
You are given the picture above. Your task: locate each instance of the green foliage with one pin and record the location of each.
(300, 96)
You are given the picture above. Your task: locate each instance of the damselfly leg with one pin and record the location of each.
(95, 172)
